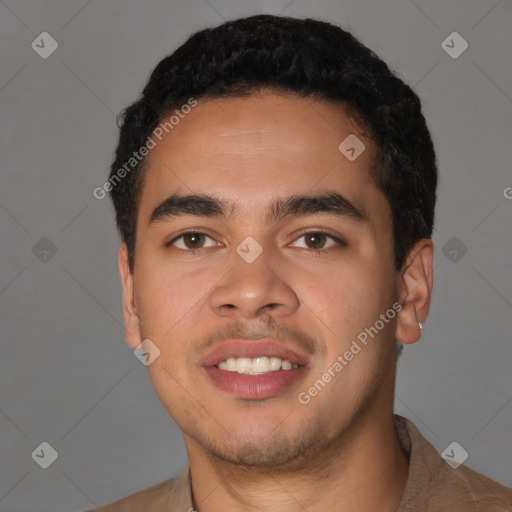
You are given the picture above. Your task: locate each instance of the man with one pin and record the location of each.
(274, 188)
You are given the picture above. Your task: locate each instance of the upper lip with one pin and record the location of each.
(251, 348)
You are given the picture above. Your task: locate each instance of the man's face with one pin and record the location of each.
(195, 294)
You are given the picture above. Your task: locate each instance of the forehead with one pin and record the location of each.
(255, 149)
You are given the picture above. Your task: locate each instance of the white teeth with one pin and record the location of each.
(255, 366)
(243, 365)
(286, 365)
(275, 363)
(261, 364)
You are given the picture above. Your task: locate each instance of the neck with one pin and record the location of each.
(365, 468)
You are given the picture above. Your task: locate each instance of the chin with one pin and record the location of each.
(281, 452)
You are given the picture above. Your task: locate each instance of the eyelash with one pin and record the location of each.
(337, 240)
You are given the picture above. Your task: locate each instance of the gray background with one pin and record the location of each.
(67, 376)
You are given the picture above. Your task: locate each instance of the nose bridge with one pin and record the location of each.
(253, 284)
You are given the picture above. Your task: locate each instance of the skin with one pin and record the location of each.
(275, 453)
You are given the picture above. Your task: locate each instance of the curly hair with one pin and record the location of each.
(308, 58)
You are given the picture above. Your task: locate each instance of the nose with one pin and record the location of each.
(254, 289)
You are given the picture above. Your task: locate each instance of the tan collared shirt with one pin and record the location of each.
(432, 485)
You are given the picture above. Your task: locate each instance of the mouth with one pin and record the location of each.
(254, 369)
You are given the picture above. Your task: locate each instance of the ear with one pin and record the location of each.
(415, 287)
(131, 318)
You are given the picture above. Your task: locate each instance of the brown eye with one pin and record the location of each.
(313, 240)
(317, 240)
(192, 240)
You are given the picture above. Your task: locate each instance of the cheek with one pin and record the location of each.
(343, 303)
(165, 296)
(348, 294)
(167, 382)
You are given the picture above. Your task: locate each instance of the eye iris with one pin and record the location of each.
(315, 239)
(195, 238)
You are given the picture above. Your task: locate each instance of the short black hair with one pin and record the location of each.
(304, 57)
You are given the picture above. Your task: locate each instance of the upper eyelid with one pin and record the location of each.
(336, 238)
(187, 232)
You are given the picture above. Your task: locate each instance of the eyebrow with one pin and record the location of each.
(204, 205)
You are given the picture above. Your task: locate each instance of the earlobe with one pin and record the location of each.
(415, 291)
(130, 315)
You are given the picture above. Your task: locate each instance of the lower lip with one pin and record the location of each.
(254, 387)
